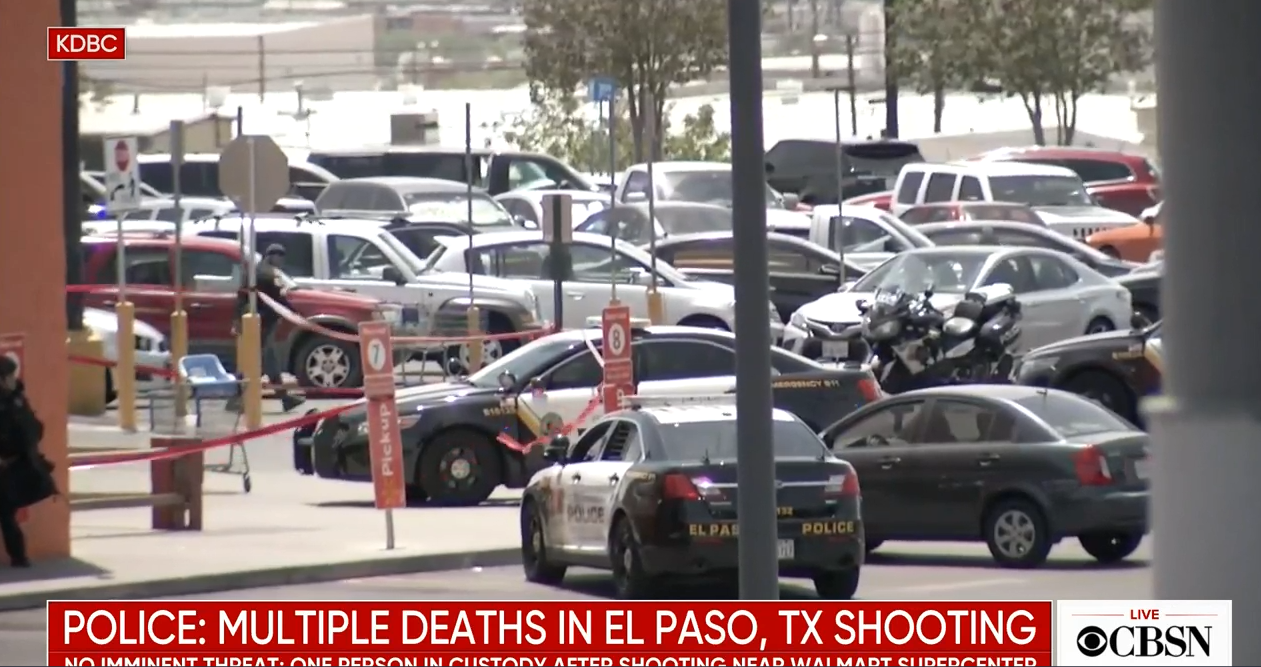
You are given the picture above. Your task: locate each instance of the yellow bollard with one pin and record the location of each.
(87, 381)
(474, 347)
(249, 364)
(656, 307)
(179, 350)
(125, 371)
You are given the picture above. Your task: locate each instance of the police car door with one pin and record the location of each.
(599, 485)
(562, 397)
(565, 499)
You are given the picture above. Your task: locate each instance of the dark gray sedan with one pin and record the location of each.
(1019, 468)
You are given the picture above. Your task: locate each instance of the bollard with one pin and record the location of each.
(474, 347)
(125, 371)
(179, 350)
(249, 363)
(656, 307)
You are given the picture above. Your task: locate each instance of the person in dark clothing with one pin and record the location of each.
(268, 281)
(25, 475)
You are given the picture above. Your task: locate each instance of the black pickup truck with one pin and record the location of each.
(494, 171)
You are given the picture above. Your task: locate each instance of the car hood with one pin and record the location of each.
(782, 218)
(105, 323)
(1052, 214)
(1090, 341)
(842, 307)
(332, 298)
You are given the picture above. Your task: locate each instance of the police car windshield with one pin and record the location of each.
(716, 440)
(524, 363)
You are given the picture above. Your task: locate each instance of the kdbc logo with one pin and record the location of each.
(1146, 641)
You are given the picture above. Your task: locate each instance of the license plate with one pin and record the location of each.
(787, 549)
(1141, 468)
(835, 349)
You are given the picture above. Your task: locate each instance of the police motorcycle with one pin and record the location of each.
(914, 345)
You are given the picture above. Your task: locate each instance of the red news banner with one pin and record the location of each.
(549, 633)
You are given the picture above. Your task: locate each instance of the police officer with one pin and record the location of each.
(267, 278)
(25, 475)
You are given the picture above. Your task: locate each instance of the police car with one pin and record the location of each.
(650, 492)
(463, 438)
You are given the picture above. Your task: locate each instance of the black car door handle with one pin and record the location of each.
(890, 461)
(577, 477)
(985, 460)
(613, 478)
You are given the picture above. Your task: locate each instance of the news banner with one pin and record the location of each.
(607, 633)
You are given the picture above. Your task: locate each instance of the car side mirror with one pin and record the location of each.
(892, 246)
(862, 306)
(507, 380)
(557, 449)
(791, 201)
(635, 197)
(770, 168)
(874, 440)
(455, 367)
(638, 276)
(1139, 321)
(830, 270)
(392, 274)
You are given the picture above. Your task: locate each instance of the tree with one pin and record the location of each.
(1057, 49)
(930, 50)
(558, 127)
(645, 45)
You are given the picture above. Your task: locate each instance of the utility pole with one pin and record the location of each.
(851, 85)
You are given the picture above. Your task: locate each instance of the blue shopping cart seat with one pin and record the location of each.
(205, 377)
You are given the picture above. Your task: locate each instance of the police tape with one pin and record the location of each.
(300, 321)
(565, 429)
(168, 374)
(116, 457)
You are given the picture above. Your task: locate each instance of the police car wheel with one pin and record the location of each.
(629, 579)
(1016, 534)
(460, 467)
(837, 584)
(538, 569)
(1110, 546)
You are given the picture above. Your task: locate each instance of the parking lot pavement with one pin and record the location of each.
(949, 571)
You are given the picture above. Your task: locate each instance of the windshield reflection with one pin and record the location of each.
(524, 363)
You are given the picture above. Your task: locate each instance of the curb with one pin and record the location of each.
(265, 578)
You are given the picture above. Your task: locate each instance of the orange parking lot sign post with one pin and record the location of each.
(619, 369)
(385, 446)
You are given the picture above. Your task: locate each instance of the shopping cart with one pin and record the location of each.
(211, 409)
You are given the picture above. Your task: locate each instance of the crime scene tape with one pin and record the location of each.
(114, 458)
(514, 444)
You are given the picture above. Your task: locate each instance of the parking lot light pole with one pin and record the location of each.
(1206, 431)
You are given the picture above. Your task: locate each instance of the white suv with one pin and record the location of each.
(361, 256)
(1056, 193)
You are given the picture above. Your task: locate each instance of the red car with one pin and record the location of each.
(1119, 181)
(210, 301)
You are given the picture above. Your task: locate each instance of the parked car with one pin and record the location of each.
(364, 257)
(1056, 193)
(421, 237)
(867, 236)
(1117, 369)
(494, 171)
(527, 205)
(1059, 296)
(600, 266)
(971, 210)
(194, 208)
(1019, 468)
(882, 200)
(800, 271)
(1127, 183)
(408, 196)
(630, 222)
(210, 280)
(1144, 286)
(199, 175)
(1138, 242)
(152, 350)
(1001, 232)
(808, 167)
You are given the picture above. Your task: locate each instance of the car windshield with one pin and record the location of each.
(527, 361)
(454, 207)
(408, 257)
(707, 187)
(1072, 416)
(716, 440)
(918, 271)
(1041, 190)
(692, 220)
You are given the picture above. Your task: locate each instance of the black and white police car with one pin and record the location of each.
(463, 438)
(649, 492)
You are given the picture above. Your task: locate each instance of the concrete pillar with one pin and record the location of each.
(1207, 432)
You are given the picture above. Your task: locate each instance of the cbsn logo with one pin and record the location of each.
(1165, 632)
(87, 43)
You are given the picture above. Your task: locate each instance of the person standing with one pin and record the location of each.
(269, 281)
(25, 475)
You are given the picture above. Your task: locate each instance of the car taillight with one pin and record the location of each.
(677, 486)
(870, 389)
(1092, 467)
(843, 486)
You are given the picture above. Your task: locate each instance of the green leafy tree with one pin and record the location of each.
(930, 53)
(557, 126)
(1057, 51)
(645, 45)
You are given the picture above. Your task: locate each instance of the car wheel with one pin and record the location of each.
(872, 545)
(460, 467)
(1016, 534)
(1110, 546)
(328, 364)
(837, 584)
(630, 582)
(1110, 252)
(1099, 325)
(538, 569)
(1106, 390)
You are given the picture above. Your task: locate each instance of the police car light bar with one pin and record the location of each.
(636, 323)
(679, 401)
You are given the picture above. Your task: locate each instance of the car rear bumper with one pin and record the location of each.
(701, 557)
(1125, 511)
